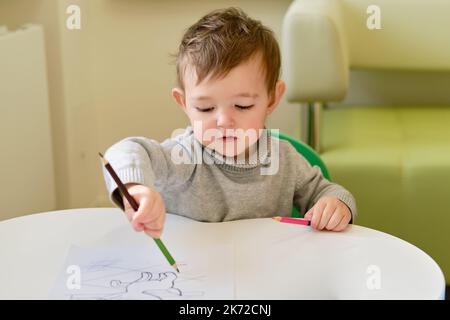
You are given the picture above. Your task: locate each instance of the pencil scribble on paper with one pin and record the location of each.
(158, 286)
(141, 272)
(115, 282)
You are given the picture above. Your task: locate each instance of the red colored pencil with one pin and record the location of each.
(293, 220)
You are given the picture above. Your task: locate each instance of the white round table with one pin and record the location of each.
(272, 260)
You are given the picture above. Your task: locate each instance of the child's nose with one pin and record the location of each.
(225, 119)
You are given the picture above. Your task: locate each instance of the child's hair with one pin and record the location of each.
(222, 40)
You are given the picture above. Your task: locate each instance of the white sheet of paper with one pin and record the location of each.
(140, 272)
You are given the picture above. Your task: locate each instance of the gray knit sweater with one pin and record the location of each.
(198, 183)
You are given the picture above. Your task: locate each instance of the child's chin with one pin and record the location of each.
(229, 153)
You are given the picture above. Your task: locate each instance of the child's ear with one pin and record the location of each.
(278, 94)
(178, 96)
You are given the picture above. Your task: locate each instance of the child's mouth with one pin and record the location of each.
(228, 139)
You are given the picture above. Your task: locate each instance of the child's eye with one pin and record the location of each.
(204, 109)
(244, 107)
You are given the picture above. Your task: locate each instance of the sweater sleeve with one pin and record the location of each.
(311, 186)
(147, 162)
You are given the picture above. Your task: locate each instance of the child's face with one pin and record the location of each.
(217, 108)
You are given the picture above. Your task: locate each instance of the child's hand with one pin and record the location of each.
(329, 213)
(151, 213)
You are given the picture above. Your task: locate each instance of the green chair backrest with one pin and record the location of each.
(310, 155)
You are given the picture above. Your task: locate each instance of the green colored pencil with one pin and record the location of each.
(166, 253)
(135, 207)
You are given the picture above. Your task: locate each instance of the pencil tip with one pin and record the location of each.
(103, 159)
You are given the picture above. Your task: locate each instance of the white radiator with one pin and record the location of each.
(26, 153)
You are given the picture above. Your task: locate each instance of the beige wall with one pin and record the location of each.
(112, 78)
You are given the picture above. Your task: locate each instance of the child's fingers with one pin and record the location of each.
(155, 229)
(140, 217)
(335, 219)
(138, 226)
(308, 215)
(342, 224)
(152, 218)
(154, 232)
(326, 216)
(129, 211)
(317, 214)
(146, 213)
